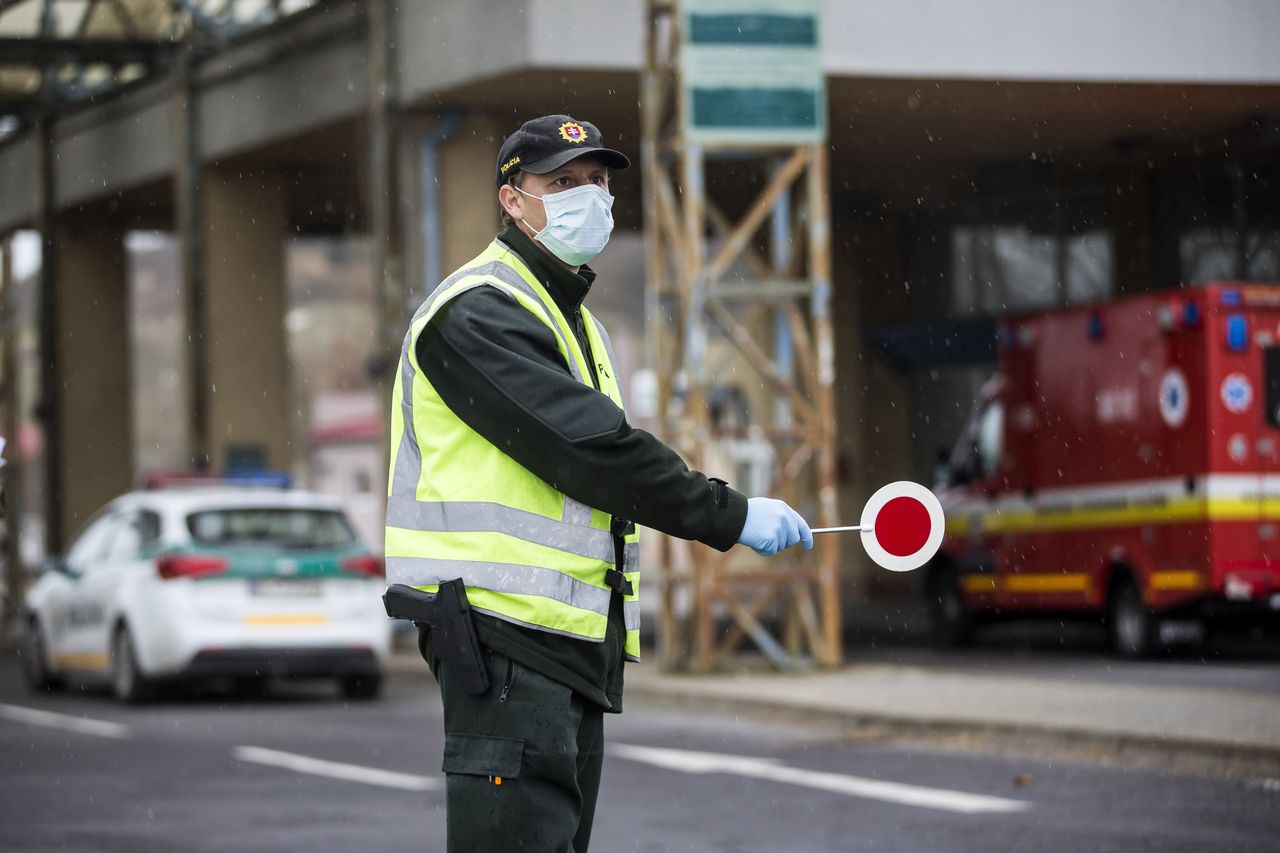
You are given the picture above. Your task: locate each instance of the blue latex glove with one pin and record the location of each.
(772, 526)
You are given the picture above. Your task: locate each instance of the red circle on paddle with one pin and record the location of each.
(903, 526)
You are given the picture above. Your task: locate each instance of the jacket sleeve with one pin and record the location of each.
(498, 369)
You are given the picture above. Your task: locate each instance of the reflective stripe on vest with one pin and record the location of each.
(460, 507)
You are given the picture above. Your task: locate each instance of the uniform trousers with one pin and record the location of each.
(522, 762)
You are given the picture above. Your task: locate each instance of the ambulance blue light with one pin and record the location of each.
(1190, 313)
(1096, 327)
(1230, 297)
(1237, 333)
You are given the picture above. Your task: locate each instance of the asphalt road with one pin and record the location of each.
(303, 770)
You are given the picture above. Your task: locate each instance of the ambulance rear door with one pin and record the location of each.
(1269, 442)
(1265, 316)
(1246, 383)
(1269, 460)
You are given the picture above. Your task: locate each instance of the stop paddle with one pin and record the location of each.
(902, 526)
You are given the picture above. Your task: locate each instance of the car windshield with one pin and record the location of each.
(271, 527)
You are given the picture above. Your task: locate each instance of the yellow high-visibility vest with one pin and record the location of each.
(458, 506)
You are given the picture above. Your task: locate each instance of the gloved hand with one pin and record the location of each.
(772, 526)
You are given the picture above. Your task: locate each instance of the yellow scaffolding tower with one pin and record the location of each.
(707, 274)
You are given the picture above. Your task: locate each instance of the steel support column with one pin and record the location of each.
(383, 125)
(50, 361)
(11, 475)
(187, 204)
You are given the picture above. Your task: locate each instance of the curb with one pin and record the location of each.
(1112, 747)
(1189, 753)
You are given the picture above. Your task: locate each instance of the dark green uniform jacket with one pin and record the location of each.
(497, 367)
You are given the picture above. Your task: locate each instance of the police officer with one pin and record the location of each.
(514, 468)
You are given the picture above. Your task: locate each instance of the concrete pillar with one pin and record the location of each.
(465, 189)
(469, 207)
(91, 398)
(248, 394)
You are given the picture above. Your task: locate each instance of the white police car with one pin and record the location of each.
(210, 581)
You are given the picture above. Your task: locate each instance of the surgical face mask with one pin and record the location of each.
(579, 222)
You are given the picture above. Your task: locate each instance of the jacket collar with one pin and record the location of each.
(566, 288)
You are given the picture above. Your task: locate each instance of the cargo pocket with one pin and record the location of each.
(482, 755)
(483, 800)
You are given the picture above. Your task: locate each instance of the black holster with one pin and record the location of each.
(453, 633)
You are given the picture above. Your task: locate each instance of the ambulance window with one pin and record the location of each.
(990, 439)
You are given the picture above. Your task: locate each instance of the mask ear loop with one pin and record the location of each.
(533, 235)
(527, 229)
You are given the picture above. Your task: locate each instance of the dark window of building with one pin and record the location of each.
(1219, 221)
(1002, 255)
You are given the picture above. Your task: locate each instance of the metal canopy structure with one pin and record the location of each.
(55, 54)
(757, 277)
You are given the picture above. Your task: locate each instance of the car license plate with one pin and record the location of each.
(273, 588)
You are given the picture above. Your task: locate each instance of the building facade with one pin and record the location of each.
(987, 157)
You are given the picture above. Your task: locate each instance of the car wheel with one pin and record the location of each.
(1131, 626)
(361, 686)
(951, 623)
(35, 661)
(127, 681)
(252, 686)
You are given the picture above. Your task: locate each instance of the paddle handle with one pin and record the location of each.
(836, 529)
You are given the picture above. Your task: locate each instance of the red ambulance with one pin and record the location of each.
(1123, 464)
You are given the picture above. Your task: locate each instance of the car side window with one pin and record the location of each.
(149, 525)
(91, 545)
(135, 535)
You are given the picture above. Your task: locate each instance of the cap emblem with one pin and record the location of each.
(571, 131)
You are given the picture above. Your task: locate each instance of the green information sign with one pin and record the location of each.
(752, 72)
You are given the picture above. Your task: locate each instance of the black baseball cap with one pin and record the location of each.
(545, 144)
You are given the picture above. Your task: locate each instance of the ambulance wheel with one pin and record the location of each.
(35, 661)
(128, 684)
(1131, 627)
(950, 623)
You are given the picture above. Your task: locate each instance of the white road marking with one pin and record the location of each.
(769, 769)
(65, 722)
(335, 769)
